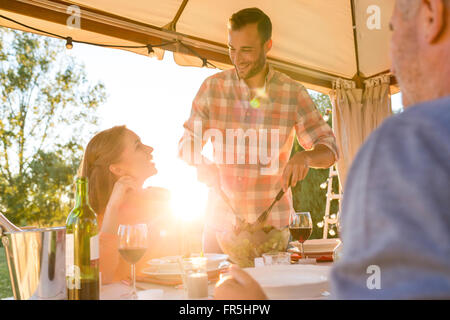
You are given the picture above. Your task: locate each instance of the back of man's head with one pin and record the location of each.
(420, 49)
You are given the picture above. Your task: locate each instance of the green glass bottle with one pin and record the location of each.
(82, 248)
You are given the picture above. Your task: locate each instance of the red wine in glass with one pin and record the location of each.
(133, 242)
(300, 227)
(300, 234)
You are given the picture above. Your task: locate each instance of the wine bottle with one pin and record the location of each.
(82, 248)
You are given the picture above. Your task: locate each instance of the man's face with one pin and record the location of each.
(246, 50)
(404, 49)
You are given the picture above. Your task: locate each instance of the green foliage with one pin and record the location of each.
(307, 194)
(47, 106)
(5, 283)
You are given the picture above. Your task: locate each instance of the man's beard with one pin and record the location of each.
(257, 67)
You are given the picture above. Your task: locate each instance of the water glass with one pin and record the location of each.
(195, 277)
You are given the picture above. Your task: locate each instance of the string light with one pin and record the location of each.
(151, 53)
(333, 216)
(326, 117)
(323, 185)
(320, 224)
(332, 232)
(69, 44)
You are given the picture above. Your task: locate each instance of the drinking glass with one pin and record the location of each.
(300, 227)
(133, 243)
(195, 277)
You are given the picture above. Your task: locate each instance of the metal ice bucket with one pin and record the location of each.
(36, 263)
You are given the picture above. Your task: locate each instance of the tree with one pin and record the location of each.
(47, 107)
(307, 194)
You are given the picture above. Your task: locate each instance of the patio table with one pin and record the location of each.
(280, 282)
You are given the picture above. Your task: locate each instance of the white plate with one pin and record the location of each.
(169, 265)
(152, 272)
(292, 281)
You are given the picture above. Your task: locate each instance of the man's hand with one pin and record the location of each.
(297, 167)
(238, 286)
(208, 174)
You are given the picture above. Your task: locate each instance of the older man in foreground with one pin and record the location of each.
(395, 213)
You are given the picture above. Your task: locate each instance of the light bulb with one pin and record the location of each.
(320, 224)
(69, 44)
(326, 118)
(333, 216)
(323, 185)
(332, 232)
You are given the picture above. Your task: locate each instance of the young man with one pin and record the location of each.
(395, 214)
(256, 103)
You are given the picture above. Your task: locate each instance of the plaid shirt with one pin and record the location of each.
(251, 168)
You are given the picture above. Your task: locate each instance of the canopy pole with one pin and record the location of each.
(172, 26)
(359, 80)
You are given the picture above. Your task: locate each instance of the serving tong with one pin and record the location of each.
(243, 225)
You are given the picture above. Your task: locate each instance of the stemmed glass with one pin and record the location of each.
(300, 227)
(133, 243)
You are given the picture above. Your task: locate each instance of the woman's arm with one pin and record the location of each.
(109, 254)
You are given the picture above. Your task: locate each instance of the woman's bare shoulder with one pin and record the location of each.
(156, 193)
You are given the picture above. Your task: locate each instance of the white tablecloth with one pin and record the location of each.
(283, 282)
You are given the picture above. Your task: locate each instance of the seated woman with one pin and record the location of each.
(117, 164)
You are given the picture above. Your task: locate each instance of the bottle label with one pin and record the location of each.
(95, 252)
(69, 255)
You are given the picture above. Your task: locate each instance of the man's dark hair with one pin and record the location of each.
(252, 15)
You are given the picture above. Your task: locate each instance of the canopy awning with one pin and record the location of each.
(314, 42)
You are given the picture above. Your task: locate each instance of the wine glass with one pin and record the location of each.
(300, 227)
(133, 243)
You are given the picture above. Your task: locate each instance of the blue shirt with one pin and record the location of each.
(396, 210)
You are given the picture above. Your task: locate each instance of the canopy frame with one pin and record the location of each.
(123, 28)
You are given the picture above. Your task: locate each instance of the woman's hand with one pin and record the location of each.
(122, 186)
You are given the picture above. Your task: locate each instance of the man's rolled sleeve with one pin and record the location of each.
(199, 118)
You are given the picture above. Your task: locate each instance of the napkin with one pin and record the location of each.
(320, 249)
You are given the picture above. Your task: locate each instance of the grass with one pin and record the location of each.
(5, 283)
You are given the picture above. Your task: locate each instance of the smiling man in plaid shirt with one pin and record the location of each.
(252, 113)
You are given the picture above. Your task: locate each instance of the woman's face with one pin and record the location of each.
(136, 159)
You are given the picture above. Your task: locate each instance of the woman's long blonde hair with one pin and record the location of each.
(104, 149)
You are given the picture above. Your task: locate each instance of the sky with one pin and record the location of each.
(153, 98)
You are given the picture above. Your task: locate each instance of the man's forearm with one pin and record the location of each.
(320, 157)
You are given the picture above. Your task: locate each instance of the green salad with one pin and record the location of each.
(244, 246)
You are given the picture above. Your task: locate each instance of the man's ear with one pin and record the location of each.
(115, 170)
(434, 17)
(268, 45)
